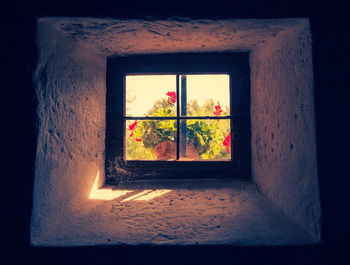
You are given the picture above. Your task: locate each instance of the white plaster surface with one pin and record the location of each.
(283, 140)
(231, 213)
(126, 37)
(71, 91)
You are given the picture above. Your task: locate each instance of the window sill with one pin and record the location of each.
(231, 212)
(182, 183)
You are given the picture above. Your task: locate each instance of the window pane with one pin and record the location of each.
(205, 139)
(151, 139)
(207, 95)
(152, 95)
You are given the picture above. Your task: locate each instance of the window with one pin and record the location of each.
(177, 117)
(184, 115)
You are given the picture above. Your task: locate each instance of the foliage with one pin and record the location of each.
(153, 132)
(207, 136)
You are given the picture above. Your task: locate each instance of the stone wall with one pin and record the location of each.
(284, 165)
(70, 87)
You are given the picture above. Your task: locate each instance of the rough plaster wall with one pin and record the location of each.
(140, 36)
(234, 213)
(283, 140)
(70, 87)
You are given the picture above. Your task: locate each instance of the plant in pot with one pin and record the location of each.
(203, 138)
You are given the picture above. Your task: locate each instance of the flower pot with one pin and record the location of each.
(191, 151)
(167, 150)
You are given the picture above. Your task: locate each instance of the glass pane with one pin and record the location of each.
(152, 95)
(207, 95)
(151, 139)
(205, 139)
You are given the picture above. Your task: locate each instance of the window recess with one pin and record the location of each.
(178, 116)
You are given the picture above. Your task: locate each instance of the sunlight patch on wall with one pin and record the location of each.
(108, 194)
(136, 195)
(152, 195)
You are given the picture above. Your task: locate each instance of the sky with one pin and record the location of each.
(145, 90)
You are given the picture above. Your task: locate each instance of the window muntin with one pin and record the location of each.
(197, 138)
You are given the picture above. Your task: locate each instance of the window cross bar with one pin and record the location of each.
(182, 117)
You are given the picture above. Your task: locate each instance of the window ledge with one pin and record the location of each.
(180, 213)
(183, 183)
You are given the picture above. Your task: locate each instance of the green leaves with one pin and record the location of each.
(207, 136)
(153, 132)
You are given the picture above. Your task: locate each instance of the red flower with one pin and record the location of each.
(172, 96)
(138, 139)
(131, 134)
(218, 110)
(227, 142)
(132, 126)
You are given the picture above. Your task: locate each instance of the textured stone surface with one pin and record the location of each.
(125, 37)
(283, 126)
(70, 88)
(234, 213)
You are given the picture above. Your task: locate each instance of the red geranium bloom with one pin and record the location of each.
(132, 133)
(227, 142)
(218, 110)
(132, 126)
(172, 96)
(138, 139)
